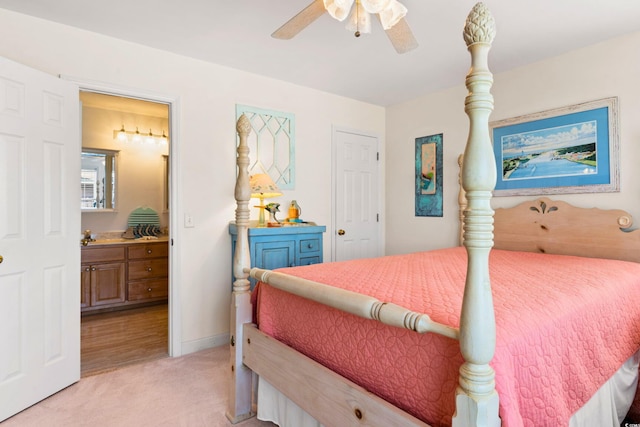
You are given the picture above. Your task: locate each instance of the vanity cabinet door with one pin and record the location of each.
(102, 277)
(85, 286)
(107, 284)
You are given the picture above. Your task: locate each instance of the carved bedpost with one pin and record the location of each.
(476, 398)
(462, 200)
(240, 384)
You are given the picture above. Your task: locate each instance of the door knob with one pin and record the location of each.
(341, 232)
(1, 259)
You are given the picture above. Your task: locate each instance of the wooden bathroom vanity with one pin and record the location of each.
(117, 274)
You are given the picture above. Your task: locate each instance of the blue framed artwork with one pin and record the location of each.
(573, 149)
(428, 185)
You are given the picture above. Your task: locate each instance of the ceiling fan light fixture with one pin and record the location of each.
(375, 6)
(338, 9)
(359, 21)
(392, 14)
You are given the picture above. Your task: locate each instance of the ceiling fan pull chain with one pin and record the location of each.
(357, 33)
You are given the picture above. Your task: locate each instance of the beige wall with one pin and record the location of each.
(140, 180)
(600, 71)
(205, 141)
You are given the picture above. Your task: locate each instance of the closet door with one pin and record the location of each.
(39, 236)
(357, 219)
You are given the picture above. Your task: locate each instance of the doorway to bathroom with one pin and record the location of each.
(125, 204)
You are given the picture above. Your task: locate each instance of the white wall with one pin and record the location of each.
(600, 71)
(205, 141)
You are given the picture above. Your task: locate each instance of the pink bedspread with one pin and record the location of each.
(557, 321)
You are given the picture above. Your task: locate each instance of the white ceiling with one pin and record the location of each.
(325, 56)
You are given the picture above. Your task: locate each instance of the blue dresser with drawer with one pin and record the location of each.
(277, 247)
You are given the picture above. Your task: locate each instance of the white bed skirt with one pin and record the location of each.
(607, 407)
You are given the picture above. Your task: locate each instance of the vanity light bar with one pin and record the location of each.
(124, 135)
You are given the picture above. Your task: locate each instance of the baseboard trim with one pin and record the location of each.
(204, 343)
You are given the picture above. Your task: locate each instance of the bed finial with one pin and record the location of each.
(243, 125)
(481, 27)
(476, 397)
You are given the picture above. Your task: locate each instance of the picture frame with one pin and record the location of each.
(271, 142)
(573, 149)
(428, 182)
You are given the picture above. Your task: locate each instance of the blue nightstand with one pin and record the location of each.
(277, 247)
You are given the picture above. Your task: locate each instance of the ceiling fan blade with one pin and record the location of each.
(402, 37)
(300, 21)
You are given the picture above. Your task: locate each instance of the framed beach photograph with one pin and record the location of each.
(428, 183)
(572, 149)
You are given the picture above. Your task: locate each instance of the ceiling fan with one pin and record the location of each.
(390, 13)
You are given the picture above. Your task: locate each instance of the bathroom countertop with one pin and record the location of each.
(122, 241)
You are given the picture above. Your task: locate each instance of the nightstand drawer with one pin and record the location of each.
(309, 245)
(308, 260)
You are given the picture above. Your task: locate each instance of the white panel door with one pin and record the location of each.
(39, 236)
(357, 225)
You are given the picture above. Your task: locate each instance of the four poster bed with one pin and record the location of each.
(561, 338)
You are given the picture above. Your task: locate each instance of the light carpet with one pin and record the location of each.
(184, 391)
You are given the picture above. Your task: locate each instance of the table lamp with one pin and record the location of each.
(263, 187)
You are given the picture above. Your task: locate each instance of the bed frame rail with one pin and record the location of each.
(340, 401)
(354, 303)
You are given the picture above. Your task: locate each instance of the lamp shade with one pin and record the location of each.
(262, 186)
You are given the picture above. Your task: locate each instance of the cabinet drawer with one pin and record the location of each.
(148, 289)
(103, 254)
(308, 260)
(148, 250)
(146, 269)
(309, 245)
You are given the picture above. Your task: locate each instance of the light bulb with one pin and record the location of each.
(122, 135)
(136, 136)
(150, 139)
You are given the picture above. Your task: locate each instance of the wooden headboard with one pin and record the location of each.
(556, 227)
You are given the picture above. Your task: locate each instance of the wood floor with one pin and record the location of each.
(120, 338)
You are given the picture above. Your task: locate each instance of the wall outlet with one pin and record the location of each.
(188, 221)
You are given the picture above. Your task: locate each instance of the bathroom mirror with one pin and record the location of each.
(98, 180)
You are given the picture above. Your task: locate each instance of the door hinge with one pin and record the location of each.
(377, 217)
(171, 242)
(378, 156)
